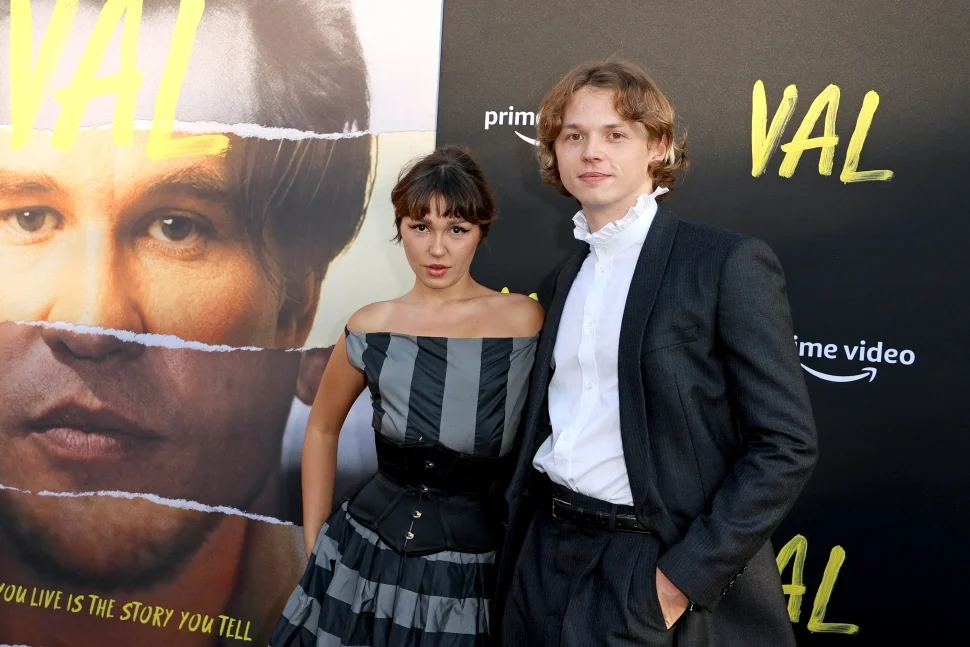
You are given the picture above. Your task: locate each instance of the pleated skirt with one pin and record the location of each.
(358, 592)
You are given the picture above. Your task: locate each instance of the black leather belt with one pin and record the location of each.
(574, 514)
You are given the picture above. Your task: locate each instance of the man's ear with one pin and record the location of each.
(660, 150)
(298, 312)
(312, 364)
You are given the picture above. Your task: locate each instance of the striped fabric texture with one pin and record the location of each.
(357, 591)
(466, 394)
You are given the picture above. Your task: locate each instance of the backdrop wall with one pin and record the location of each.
(877, 272)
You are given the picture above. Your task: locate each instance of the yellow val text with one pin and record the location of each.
(797, 548)
(30, 81)
(765, 140)
(532, 296)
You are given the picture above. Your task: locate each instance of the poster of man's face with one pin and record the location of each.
(176, 267)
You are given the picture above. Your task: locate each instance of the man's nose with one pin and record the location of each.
(94, 346)
(593, 150)
(95, 291)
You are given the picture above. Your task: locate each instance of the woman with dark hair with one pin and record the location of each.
(410, 560)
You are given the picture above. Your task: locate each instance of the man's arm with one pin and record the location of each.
(770, 400)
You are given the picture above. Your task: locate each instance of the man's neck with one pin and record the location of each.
(204, 586)
(598, 216)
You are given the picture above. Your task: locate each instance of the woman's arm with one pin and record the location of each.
(340, 386)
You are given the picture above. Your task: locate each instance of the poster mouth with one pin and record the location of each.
(71, 432)
(84, 445)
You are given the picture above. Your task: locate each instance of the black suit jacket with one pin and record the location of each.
(717, 429)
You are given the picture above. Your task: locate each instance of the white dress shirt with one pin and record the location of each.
(585, 450)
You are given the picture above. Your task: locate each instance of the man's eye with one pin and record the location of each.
(174, 229)
(30, 221)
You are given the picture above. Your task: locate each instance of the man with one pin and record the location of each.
(153, 260)
(669, 430)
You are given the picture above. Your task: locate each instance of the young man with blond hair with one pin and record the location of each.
(669, 429)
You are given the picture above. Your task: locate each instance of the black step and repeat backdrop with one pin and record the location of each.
(837, 132)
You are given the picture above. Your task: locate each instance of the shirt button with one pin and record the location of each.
(428, 465)
(417, 514)
(410, 535)
(589, 324)
(589, 385)
(424, 489)
(601, 270)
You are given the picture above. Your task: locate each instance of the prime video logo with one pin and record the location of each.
(512, 117)
(865, 353)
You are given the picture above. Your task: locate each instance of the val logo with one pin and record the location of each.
(512, 117)
(865, 354)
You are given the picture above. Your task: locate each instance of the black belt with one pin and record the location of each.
(575, 514)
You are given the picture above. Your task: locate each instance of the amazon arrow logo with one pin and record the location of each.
(868, 371)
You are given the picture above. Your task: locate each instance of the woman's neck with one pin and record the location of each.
(441, 297)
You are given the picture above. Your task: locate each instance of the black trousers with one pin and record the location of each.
(577, 586)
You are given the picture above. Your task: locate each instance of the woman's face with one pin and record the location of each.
(439, 248)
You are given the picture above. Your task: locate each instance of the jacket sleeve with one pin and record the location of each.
(771, 405)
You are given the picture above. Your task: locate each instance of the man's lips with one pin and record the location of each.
(75, 432)
(593, 176)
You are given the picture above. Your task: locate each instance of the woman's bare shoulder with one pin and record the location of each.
(373, 317)
(519, 315)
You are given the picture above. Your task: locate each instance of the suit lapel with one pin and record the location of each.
(645, 285)
(542, 372)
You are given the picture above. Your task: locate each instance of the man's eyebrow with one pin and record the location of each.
(13, 182)
(197, 181)
(609, 126)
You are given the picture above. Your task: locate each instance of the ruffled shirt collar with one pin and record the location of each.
(618, 234)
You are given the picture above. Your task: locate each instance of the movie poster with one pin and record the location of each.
(194, 198)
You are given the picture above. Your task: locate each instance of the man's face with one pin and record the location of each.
(102, 236)
(89, 413)
(603, 160)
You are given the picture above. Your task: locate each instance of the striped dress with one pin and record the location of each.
(410, 560)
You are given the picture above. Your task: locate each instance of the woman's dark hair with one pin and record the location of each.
(448, 175)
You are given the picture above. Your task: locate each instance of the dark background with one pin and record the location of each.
(873, 261)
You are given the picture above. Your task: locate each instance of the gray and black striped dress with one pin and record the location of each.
(410, 560)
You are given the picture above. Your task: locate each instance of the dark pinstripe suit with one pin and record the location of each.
(718, 436)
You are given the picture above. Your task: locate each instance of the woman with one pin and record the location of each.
(410, 559)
